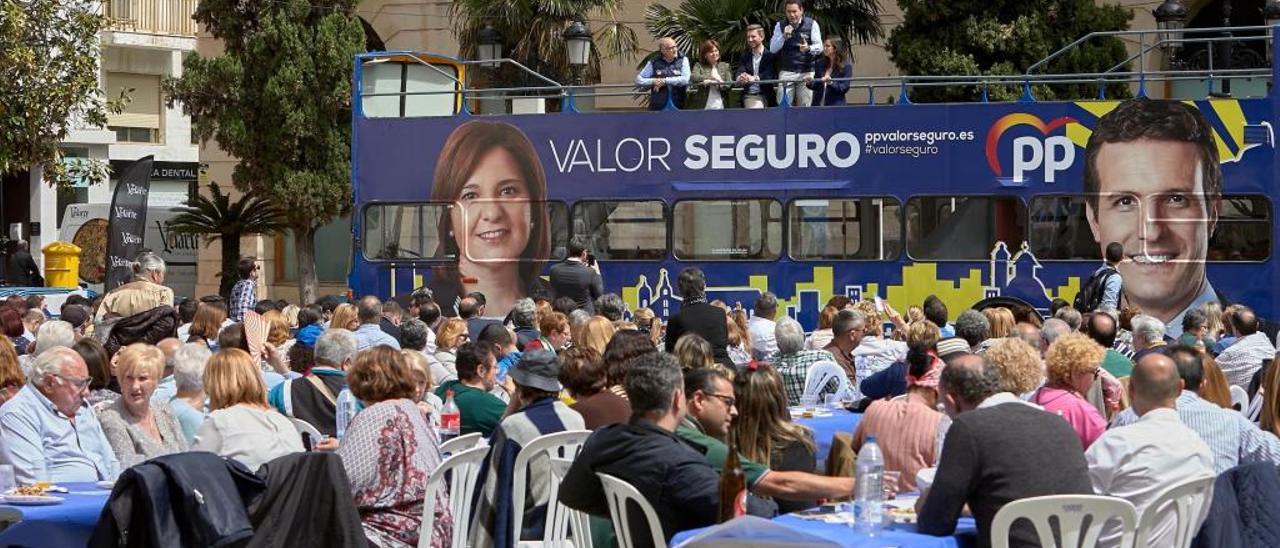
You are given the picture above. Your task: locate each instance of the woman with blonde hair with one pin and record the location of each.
(345, 316)
(1073, 362)
(739, 338)
(694, 352)
(764, 428)
(424, 384)
(279, 335)
(1000, 320)
(136, 429)
(1017, 363)
(648, 322)
(389, 451)
(11, 377)
(242, 425)
(595, 334)
(451, 334)
(1214, 387)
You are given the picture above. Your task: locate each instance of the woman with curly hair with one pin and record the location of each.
(1018, 364)
(1073, 362)
(617, 356)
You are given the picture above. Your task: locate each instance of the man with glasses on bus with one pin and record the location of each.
(47, 430)
(1153, 184)
(666, 76)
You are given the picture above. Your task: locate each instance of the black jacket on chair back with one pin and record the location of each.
(183, 499)
(308, 502)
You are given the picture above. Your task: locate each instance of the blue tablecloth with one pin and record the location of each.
(901, 535)
(67, 524)
(825, 428)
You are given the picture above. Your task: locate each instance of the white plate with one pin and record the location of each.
(105, 485)
(31, 500)
(797, 413)
(924, 478)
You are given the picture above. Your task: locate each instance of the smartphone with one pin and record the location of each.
(591, 259)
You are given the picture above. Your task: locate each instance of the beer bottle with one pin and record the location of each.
(733, 484)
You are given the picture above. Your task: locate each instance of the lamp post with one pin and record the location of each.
(578, 40)
(1171, 18)
(489, 46)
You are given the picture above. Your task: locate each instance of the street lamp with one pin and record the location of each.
(489, 46)
(1171, 18)
(578, 39)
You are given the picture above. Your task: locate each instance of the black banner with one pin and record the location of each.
(127, 222)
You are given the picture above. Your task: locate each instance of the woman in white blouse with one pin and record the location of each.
(242, 425)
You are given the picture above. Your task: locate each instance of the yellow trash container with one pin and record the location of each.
(61, 264)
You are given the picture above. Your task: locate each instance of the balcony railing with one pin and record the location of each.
(167, 17)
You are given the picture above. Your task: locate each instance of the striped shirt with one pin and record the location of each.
(1231, 437)
(909, 433)
(794, 368)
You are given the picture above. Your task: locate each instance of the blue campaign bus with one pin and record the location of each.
(966, 201)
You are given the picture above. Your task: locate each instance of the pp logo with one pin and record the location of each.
(1031, 153)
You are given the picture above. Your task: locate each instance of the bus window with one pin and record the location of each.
(950, 228)
(1244, 230)
(622, 230)
(710, 230)
(1060, 229)
(412, 231)
(403, 231)
(857, 229)
(396, 89)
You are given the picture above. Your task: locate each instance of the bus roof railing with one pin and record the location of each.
(551, 89)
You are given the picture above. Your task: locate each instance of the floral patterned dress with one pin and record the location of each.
(389, 451)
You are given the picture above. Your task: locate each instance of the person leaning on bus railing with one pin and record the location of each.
(665, 74)
(1153, 183)
(755, 64)
(498, 227)
(829, 83)
(710, 81)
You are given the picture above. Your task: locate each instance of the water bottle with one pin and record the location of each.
(450, 418)
(868, 492)
(346, 409)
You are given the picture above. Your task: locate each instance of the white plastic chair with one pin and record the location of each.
(1187, 500)
(822, 373)
(462, 443)
(1255, 407)
(619, 493)
(1239, 399)
(556, 445)
(566, 527)
(1070, 511)
(304, 427)
(462, 470)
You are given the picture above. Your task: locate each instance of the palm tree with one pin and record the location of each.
(217, 217)
(531, 34)
(726, 21)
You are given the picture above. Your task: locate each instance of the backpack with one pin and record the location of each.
(1090, 296)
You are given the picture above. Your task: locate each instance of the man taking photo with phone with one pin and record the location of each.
(578, 276)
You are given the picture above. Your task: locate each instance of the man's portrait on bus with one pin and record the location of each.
(497, 226)
(1152, 183)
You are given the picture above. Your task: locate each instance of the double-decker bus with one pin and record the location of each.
(966, 201)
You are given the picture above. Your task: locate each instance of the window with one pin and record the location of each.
(412, 231)
(622, 231)
(963, 228)
(856, 229)
(1060, 229)
(140, 120)
(394, 89)
(1244, 230)
(711, 230)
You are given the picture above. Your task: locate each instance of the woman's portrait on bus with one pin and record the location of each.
(497, 227)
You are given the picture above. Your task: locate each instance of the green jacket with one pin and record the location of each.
(480, 411)
(715, 451)
(696, 97)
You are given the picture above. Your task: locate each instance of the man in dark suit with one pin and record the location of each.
(576, 279)
(756, 64)
(23, 271)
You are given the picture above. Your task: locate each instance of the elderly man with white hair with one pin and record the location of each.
(51, 334)
(145, 292)
(1148, 336)
(313, 398)
(48, 431)
(792, 361)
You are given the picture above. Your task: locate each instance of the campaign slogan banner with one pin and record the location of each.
(127, 221)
